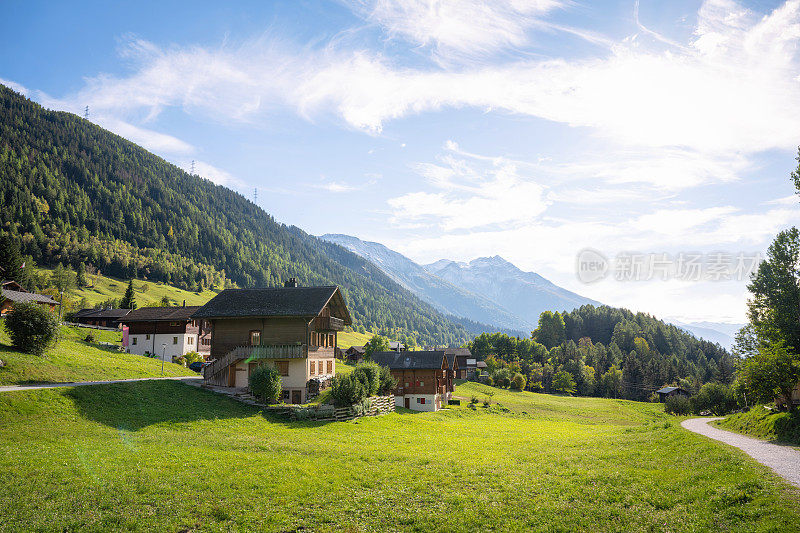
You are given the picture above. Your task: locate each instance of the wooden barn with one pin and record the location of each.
(424, 378)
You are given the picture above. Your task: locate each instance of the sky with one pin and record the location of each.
(533, 130)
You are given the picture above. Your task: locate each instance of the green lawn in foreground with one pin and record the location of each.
(762, 423)
(75, 360)
(164, 456)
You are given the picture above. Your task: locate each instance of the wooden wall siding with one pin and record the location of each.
(230, 333)
(140, 328)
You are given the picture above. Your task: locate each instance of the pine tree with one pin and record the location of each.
(10, 259)
(129, 300)
(80, 279)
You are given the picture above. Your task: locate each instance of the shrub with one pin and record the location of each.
(714, 397)
(487, 402)
(473, 400)
(89, 337)
(347, 389)
(265, 383)
(31, 328)
(369, 374)
(387, 381)
(678, 405)
(180, 360)
(502, 377)
(488, 380)
(193, 357)
(518, 381)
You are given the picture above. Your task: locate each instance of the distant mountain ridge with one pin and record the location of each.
(488, 289)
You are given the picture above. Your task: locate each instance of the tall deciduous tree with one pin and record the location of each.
(375, 344)
(551, 331)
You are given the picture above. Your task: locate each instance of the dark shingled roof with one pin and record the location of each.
(102, 313)
(274, 301)
(458, 351)
(410, 360)
(161, 314)
(27, 297)
(667, 390)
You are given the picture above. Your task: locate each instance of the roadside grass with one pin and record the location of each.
(346, 339)
(75, 360)
(106, 288)
(761, 423)
(165, 456)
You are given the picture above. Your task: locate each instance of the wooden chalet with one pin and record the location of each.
(668, 392)
(293, 328)
(354, 354)
(424, 378)
(166, 332)
(13, 293)
(104, 318)
(467, 364)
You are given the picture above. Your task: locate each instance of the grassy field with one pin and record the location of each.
(346, 339)
(75, 360)
(164, 456)
(765, 424)
(105, 288)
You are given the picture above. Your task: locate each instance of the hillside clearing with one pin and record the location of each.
(166, 456)
(73, 359)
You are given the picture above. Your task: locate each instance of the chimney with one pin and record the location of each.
(292, 282)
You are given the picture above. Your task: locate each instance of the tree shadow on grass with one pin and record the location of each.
(133, 406)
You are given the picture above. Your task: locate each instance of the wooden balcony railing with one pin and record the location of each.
(272, 351)
(328, 323)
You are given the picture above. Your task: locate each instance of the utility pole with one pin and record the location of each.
(255, 195)
(86, 113)
(163, 356)
(192, 172)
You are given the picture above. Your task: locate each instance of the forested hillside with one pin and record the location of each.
(73, 192)
(606, 351)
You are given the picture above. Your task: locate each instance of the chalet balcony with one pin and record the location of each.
(271, 351)
(328, 323)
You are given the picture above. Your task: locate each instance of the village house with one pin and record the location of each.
(12, 293)
(104, 318)
(467, 364)
(166, 332)
(668, 392)
(354, 354)
(424, 378)
(293, 328)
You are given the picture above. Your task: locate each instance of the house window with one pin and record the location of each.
(175, 324)
(421, 401)
(147, 337)
(190, 340)
(283, 367)
(133, 341)
(330, 367)
(174, 340)
(420, 383)
(255, 338)
(331, 339)
(313, 370)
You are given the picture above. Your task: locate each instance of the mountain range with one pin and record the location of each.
(489, 290)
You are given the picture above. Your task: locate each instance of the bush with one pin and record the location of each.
(518, 381)
(502, 377)
(265, 383)
(179, 360)
(31, 328)
(369, 374)
(678, 405)
(347, 389)
(714, 397)
(387, 381)
(89, 338)
(473, 400)
(488, 380)
(487, 402)
(193, 357)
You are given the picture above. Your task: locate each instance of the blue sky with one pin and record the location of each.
(445, 129)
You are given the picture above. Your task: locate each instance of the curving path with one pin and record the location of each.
(783, 460)
(11, 388)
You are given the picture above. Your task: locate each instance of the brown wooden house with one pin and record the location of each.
(293, 328)
(166, 332)
(424, 378)
(9, 297)
(104, 318)
(467, 364)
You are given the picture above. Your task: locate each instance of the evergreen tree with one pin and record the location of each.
(80, 278)
(129, 300)
(10, 259)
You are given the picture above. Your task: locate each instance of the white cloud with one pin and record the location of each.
(457, 26)
(149, 139)
(212, 173)
(336, 186)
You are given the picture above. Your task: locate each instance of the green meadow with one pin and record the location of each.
(73, 359)
(166, 456)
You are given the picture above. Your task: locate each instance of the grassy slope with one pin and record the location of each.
(764, 424)
(74, 360)
(105, 288)
(345, 340)
(131, 456)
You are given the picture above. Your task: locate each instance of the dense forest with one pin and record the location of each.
(72, 192)
(605, 351)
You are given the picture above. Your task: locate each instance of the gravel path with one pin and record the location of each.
(783, 460)
(11, 388)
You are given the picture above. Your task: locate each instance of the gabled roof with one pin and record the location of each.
(11, 285)
(411, 360)
(102, 313)
(356, 349)
(481, 364)
(276, 302)
(667, 390)
(396, 345)
(28, 297)
(460, 352)
(161, 314)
